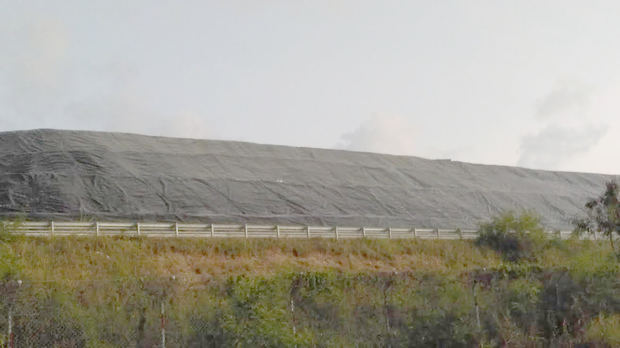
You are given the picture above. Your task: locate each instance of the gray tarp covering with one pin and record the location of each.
(75, 174)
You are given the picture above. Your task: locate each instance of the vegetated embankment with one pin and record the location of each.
(118, 292)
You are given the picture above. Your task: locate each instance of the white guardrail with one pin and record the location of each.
(135, 229)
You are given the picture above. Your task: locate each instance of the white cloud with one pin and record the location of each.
(571, 128)
(42, 85)
(187, 125)
(568, 98)
(121, 113)
(35, 63)
(383, 134)
(555, 146)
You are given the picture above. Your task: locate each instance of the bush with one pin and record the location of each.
(515, 237)
(604, 331)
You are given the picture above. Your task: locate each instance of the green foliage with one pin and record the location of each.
(9, 225)
(569, 296)
(603, 214)
(604, 330)
(515, 237)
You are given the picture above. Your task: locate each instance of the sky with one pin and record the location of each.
(527, 83)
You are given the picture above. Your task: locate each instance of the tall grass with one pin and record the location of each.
(107, 292)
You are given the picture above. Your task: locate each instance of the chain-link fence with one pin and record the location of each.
(297, 309)
(314, 309)
(128, 312)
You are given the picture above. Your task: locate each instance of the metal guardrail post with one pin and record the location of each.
(363, 232)
(176, 229)
(97, 228)
(212, 231)
(389, 233)
(336, 232)
(138, 228)
(52, 228)
(245, 230)
(436, 233)
(278, 231)
(308, 232)
(415, 233)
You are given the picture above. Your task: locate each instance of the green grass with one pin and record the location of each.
(107, 292)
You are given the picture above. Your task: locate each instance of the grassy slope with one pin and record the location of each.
(237, 292)
(85, 258)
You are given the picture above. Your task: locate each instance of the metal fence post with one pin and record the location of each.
(308, 232)
(97, 228)
(245, 229)
(437, 233)
(363, 232)
(336, 232)
(176, 229)
(10, 331)
(389, 233)
(278, 231)
(415, 233)
(138, 228)
(52, 228)
(293, 315)
(212, 230)
(163, 326)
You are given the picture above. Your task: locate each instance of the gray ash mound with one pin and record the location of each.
(47, 174)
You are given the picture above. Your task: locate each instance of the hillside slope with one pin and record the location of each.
(77, 174)
(112, 292)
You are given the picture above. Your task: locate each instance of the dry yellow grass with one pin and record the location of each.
(73, 258)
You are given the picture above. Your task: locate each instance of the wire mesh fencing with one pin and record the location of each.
(291, 310)
(307, 309)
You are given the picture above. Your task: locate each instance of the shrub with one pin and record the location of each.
(515, 237)
(604, 331)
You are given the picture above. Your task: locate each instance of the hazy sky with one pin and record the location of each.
(530, 83)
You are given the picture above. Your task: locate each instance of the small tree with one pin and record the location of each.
(603, 215)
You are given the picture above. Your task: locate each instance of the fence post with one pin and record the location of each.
(97, 228)
(436, 233)
(278, 231)
(308, 232)
(163, 326)
(293, 316)
(363, 232)
(336, 232)
(10, 333)
(477, 308)
(245, 230)
(52, 228)
(176, 229)
(415, 233)
(138, 228)
(389, 233)
(212, 231)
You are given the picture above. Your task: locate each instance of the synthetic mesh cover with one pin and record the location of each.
(47, 174)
